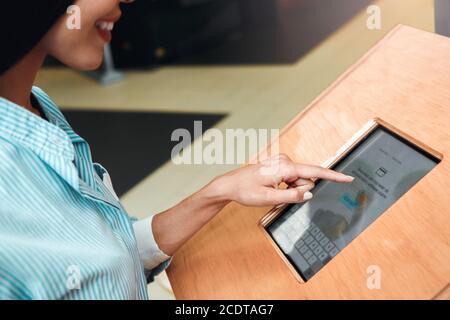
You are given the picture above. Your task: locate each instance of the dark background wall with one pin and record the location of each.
(226, 31)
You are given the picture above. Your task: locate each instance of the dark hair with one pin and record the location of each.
(23, 24)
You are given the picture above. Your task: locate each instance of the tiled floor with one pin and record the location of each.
(254, 97)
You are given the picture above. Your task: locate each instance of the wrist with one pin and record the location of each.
(217, 192)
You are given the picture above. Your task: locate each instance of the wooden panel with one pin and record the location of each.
(405, 80)
(444, 294)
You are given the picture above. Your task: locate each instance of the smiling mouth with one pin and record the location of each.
(105, 28)
(104, 25)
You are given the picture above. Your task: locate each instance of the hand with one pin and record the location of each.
(259, 184)
(253, 185)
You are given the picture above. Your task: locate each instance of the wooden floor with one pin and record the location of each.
(253, 96)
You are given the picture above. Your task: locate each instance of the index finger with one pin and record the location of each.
(316, 172)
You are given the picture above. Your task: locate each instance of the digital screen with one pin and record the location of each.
(385, 167)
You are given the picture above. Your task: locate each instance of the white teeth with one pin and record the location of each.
(103, 25)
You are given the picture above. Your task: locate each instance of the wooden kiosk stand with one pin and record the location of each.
(404, 80)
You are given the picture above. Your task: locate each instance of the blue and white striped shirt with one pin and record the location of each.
(63, 232)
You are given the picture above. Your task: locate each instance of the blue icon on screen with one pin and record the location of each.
(354, 203)
(348, 201)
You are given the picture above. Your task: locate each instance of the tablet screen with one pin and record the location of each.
(385, 167)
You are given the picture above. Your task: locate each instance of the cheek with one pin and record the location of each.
(79, 49)
(82, 48)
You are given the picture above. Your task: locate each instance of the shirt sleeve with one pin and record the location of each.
(153, 258)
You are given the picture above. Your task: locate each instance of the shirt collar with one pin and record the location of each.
(55, 116)
(51, 140)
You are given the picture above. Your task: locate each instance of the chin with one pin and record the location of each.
(88, 61)
(93, 63)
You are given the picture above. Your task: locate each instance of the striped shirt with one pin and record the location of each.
(63, 232)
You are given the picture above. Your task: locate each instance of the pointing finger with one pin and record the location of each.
(316, 172)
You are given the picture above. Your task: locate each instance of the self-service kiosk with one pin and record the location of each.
(386, 121)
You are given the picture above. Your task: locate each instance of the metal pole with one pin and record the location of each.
(442, 17)
(107, 74)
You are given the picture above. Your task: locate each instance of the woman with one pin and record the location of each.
(63, 234)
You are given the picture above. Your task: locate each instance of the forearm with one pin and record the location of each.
(250, 185)
(172, 228)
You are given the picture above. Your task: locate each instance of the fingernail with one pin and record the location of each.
(350, 177)
(307, 196)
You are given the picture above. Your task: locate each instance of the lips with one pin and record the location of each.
(104, 30)
(105, 27)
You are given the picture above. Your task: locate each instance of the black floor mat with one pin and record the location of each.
(131, 145)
